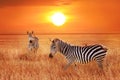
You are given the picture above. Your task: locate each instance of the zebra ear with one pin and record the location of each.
(50, 40)
(32, 32)
(27, 32)
(56, 39)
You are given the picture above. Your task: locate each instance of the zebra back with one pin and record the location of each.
(82, 54)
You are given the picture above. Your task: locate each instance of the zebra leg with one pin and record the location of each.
(35, 51)
(100, 65)
(99, 62)
(76, 67)
(69, 63)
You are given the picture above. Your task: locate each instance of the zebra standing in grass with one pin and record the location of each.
(33, 44)
(80, 54)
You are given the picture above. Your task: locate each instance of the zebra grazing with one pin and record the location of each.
(33, 44)
(82, 54)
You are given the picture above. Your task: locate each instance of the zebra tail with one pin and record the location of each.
(105, 49)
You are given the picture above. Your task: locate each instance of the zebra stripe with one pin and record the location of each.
(33, 43)
(82, 54)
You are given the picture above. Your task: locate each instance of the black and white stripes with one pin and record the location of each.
(82, 54)
(33, 43)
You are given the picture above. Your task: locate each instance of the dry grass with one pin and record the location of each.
(41, 67)
(17, 64)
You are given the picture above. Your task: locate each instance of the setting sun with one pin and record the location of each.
(58, 18)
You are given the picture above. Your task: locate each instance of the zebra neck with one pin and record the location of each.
(64, 48)
(30, 36)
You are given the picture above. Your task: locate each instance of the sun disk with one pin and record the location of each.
(58, 19)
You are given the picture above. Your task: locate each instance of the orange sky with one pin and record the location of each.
(83, 16)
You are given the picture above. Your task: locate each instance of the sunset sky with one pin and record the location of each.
(83, 16)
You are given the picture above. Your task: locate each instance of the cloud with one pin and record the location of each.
(4, 3)
(25, 2)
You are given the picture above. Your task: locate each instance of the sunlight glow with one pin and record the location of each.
(58, 19)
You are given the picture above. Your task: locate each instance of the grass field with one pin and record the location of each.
(17, 64)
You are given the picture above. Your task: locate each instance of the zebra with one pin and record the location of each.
(33, 44)
(81, 54)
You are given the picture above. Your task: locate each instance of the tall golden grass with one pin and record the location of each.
(18, 64)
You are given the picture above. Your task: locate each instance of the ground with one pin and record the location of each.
(17, 64)
(41, 67)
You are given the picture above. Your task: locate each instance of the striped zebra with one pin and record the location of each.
(82, 54)
(33, 44)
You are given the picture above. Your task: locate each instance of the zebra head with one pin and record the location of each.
(54, 47)
(30, 34)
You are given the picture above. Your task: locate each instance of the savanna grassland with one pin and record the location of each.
(17, 64)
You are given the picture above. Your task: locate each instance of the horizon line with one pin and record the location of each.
(59, 33)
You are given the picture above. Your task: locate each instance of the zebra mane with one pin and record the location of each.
(72, 45)
(65, 43)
